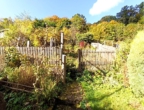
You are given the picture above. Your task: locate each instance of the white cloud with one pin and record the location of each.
(103, 5)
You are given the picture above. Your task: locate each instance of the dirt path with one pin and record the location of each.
(70, 98)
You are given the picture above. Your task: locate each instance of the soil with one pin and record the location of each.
(2, 102)
(70, 98)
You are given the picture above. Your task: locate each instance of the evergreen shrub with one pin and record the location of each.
(135, 63)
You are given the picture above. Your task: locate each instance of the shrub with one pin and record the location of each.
(135, 64)
(29, 71)
(121, 59)
(12, 57)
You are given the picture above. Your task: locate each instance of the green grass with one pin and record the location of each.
(106, 96)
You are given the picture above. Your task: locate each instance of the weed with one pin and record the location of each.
(105, 96)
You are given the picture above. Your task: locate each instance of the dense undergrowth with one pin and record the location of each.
(108, 94)
(37, 74)
(18, 100)
(121, 87)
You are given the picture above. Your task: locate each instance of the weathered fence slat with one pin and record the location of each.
(89, 58)
(53, 54)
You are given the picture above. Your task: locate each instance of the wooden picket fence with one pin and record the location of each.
(52, 56)
(92, 59)
(2, 55)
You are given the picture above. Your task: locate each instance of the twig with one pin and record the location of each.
(17, 84)
(17, 89)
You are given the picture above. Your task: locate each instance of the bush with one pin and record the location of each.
(34, 72)
(120, 65)
(135, 64)
(12, 57)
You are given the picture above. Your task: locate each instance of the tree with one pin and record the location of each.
(6, 22)
(127, 14)
(114, 31)
(141, 21)
(38, 37)
(39, 23)
(87, 37)
(79, 23)
(67, 35)
(108, 18)
(141, 8)
(63, 22)
(130, 31)
(52, 21)
(18, 33)
(23, 16)
(131, 14)
(98, 31)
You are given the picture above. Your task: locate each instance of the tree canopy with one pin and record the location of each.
(39, 31)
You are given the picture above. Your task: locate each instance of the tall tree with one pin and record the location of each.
(87, 37)
(39, 23)
(52, 21)
(6, 22)
(63, 22)
(98, 31)
(108, 18)
(141, 8)
(79, 22)
(127, 14)
(78, 25)
(131, 14)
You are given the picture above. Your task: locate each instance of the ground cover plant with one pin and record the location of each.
(121, 87)
(37, 78)
(107, 95)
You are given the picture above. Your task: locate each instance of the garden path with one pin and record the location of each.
(70, 99)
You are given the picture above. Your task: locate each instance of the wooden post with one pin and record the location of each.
(28, 43)
(62, 41)
(64, 67)
(51, 42)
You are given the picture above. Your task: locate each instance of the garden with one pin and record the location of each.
(33, 75)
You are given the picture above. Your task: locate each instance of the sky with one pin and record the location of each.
(93, 10)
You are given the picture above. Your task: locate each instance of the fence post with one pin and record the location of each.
(79, 59)
(28, 43)
(62, 42)
(64, 67)
(62, 39)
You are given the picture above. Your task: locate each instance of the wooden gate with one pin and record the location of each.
(92, 59)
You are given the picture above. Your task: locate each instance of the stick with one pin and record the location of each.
(17, 89)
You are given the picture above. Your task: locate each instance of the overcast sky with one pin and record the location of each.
(93, 10)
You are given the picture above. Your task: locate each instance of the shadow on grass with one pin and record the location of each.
(96, 105)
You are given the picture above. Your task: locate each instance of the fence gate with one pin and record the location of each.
(93, 60)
